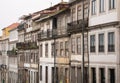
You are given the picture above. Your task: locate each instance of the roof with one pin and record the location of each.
(50, 10)
(52, 7)
(51, 15)
(12, 26)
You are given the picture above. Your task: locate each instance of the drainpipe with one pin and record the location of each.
(69, 35)
(54, 74)
(88, 43)
(83, 61)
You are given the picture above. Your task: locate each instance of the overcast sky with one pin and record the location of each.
(11, 10)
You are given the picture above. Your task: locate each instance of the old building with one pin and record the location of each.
(104, 41)
(61, 39)
(78, 34)
(12, 56)
(27, 51)
(4, 49)
(20, 52)
(63, 44)
(46, 41)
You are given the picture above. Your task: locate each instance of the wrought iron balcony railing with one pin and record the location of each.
(20, 45)
(26, 45)
(76, 26)
(45, 35)
(12, 53)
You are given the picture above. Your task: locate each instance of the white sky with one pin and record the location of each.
(11, 10)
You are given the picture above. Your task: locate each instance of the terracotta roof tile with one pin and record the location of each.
(12, 26)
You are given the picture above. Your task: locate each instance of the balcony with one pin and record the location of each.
(60, 32)
(33, 45)
(11, 53)
(26, 45)
(30, 45)
(45, 35)
(20, 45)
(76, 26)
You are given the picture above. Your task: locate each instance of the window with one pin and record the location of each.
(78, 45)
(86, 11)
(101, 42)
(52, 51)
(46, 50)
(48, 33)
(52, 74)
(102, 75)
(56, 48)
(102, 5)
(41, 50)
(93, 7)
(112, 75)
(61, 49)
(73, 14)
(73, 45)
(93, 75)
(79, 75)
(36, 57)
(111, 4)
(79, 13)
(66, 48)
(73, 75)
(92, 43)
(66, 75)
(46, 74)
(48, 24)
(33, 57)
(111, 42)
(40, 73)
(54, 23)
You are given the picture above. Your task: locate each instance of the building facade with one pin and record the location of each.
(66, 43)
(28, 51)
(4, 49)
(47, 41)
(103, 38)
(12, 56)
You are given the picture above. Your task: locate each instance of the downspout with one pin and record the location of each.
(83, 61)
(88, 42)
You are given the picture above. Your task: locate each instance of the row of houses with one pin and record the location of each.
(71, 42)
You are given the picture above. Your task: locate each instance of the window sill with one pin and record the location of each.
(91, 53)
(111, 52)
(111, 10)
(101, 53)
(102, 12)
(93, 15)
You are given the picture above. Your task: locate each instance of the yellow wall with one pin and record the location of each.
(5, 32)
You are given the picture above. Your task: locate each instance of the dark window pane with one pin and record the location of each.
(73, 77)
(102, 5)
(102, 75)
(93, 11)
(78, 45)
(111, 4)
(40, 73)
(92, 43)
(111, 42)
(46, 75)
(112, 75)
(93, 70)
(101, 42)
